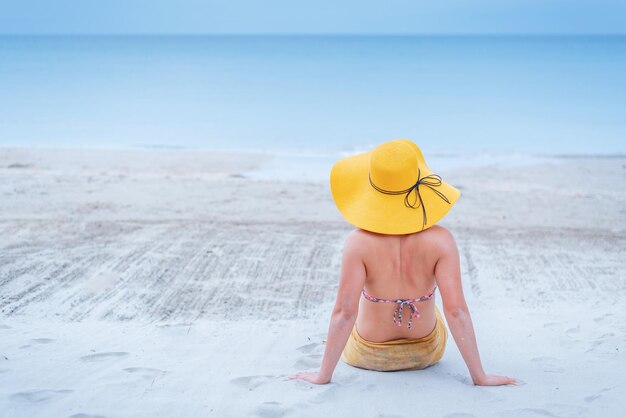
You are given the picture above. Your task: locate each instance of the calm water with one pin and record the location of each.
(546, 95)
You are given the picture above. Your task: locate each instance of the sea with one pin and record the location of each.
(319, 96)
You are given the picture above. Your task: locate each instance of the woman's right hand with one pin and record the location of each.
(493, 380)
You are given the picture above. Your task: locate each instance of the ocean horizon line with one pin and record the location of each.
(305, 153)
(488, 35)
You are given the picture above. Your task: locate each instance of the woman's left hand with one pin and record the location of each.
(313, 377)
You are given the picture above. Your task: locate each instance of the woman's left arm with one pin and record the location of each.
(344, 313)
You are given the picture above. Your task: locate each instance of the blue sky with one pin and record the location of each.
(319, 16)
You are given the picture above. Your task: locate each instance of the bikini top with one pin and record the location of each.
(397, 314)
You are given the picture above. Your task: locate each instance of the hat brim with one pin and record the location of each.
(366, 208)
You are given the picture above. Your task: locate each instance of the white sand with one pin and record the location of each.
(177, 283)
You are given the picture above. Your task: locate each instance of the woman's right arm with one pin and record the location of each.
(448, 277)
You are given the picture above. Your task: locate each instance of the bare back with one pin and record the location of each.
(398, 267)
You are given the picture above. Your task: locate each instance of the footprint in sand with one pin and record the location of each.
(597, 395)
(176, 325)
(104, 356)
(461, 378)
(325, 394)
(147, 372)
(604, 347)
(252, 382)
(42, 340)
(85, 416)
(390, 416)
(564, 410)
(309, 348)
(271, 409)
(603, 318)
(34, 396)
(351, 378)
(548, 364)
(528, 413)
(308, 362)
(370, 388)
(549, 410)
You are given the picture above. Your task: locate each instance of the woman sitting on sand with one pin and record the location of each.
(395, 200)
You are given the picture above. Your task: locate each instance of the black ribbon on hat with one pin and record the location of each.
(431, 181)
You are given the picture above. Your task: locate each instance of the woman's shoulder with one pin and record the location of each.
(359, 240)
(438, 236)
(357, 237)
(438, 231)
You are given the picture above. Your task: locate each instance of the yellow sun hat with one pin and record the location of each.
(390, 190)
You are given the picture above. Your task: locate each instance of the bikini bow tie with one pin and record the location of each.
(431, 181)
(398, 313)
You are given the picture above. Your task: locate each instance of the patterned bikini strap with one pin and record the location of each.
(397, 314)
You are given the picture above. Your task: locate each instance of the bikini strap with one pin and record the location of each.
(397, 314)
(421, 298)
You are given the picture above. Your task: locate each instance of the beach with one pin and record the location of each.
(159, 283)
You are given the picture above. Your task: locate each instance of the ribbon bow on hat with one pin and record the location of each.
(431, 181)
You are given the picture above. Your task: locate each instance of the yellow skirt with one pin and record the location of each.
(400, 354)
